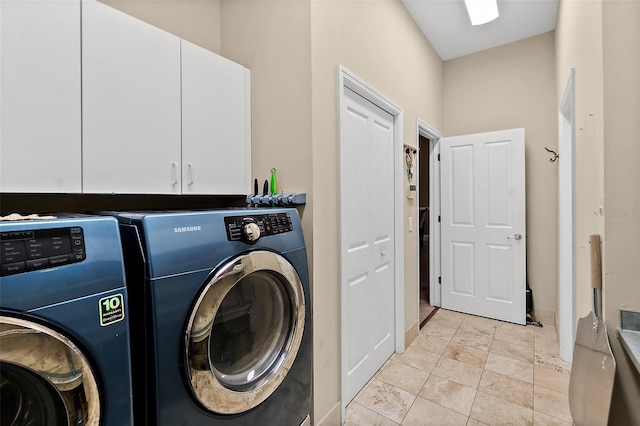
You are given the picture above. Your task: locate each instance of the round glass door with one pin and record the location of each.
(44, 378)
(28, 399)
(244, 332)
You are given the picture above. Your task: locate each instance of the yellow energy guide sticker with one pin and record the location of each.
(111, 309)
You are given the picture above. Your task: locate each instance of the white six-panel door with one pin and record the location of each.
(483, 224)
(367, 239)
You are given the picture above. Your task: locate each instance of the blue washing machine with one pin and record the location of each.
(226, 335)
(64, 337)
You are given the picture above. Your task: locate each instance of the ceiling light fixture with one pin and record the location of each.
(482, 11)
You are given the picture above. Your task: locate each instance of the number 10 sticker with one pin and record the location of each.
(111, 309)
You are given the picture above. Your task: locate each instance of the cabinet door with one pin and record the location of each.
(40, 96)
(131, 104)
(216, 123)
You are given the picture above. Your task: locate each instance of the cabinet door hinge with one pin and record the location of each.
(439, 280)
(438, 157)
(439, 218)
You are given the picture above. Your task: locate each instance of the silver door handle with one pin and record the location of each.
(516, 237)
(174, 173)
(190, 173)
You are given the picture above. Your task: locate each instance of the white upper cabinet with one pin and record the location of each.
(216, 123)
(40, 119)
(130, 104)
(96, 101)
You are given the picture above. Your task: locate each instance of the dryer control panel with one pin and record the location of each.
(251, 228)
(30, 250)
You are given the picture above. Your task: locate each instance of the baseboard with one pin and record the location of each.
(332, 418)
(411, 334)
(546, 317)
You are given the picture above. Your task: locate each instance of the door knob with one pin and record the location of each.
(516, 237)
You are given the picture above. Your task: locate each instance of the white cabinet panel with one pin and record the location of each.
(40, 137)
(96, 101)
(216, 123)
(131, 104)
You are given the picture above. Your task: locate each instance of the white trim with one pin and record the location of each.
(566, 308)
(424, 129)
(427, 131)
(349, 80)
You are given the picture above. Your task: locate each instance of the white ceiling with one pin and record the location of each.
(446, 24)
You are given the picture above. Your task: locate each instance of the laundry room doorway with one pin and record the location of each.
(371, 238)
(477, 222)
(428, 225)
(426, 308)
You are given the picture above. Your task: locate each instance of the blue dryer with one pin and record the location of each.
(64, 339)
(226, 338)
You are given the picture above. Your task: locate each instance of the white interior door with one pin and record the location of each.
(483, 224)
(367, 239)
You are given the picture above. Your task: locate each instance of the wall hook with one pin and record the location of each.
(555, 156)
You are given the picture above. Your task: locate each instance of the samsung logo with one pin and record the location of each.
(187, 229)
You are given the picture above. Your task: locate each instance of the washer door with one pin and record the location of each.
(244, 332)
(44, 378)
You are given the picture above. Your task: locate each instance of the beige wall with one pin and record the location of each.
(621, 28)
(507, 87)
(379, 42)
(601, 40)
(197, 21)
(271, 38)
(579, 46)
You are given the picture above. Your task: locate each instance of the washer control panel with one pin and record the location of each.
(251, 228)
(25, 251)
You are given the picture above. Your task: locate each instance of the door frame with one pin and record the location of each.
(347, 79)
(433, 135)
(566, 308)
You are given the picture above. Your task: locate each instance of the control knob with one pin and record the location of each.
(251, 231)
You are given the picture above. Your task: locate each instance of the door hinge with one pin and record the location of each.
(439, 280)
(439, 218)
(438, 157)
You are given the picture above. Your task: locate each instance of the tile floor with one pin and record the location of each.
(468, 370)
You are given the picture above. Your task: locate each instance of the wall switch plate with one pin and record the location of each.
(411, 191)
(410, 223)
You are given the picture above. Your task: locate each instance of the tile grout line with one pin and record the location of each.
(481, 376)
(432, 374)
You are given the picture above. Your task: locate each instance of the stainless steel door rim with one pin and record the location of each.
(244, 332)
(47, 362)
